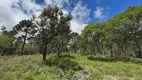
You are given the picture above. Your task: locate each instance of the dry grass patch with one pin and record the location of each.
(108, 77)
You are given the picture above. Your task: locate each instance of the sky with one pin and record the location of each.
(83, 11)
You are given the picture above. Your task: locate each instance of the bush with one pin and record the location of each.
(108, 59)
(100, 59)
(29, 77)
(64, 63)
(124, 58)
(28, 49)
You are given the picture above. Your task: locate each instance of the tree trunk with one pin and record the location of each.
(139, 52)
(74, 50)
(59, 47)
(43, 50)
(59, 51)
(44, 55)
(23, 43)
(111, 53)
(111, 49)
(43, 47)
(59, 54)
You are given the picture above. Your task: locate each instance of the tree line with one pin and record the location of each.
(119, 37)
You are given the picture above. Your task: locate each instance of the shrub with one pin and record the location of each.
(64, 63)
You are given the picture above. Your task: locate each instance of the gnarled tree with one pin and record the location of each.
(24, 29)
(50, 24)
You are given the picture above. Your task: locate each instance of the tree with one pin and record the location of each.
(50, 24)
(73, 41)
(62, 42)
(94, 35)
(7, 42)
(119, 37)
(23, 30)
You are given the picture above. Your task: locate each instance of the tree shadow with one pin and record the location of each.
(108, 59)
(92, 58)
(138, 61)
(67, 56)
(65, 62)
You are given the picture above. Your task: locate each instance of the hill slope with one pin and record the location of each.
(74, 67)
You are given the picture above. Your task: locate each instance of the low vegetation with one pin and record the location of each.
(68, 67)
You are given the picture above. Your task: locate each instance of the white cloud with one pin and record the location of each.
(59, 3)
(100, 13)
(80, 17)
(65, 12)
(13, 11)
(81, 12)
(30, 6)
(8, 15)
(76, 26)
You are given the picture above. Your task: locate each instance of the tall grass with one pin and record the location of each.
(68, 67)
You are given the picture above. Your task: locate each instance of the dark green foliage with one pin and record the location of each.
(28, 49)
(108, 59)
(73, 42)
(50, 24)
(119, 38)
(138, 61)
(65, 62)
(7, 45)
(24, 30)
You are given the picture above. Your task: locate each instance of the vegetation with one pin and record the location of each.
(24, 27)
(119, 37)
(51, 23)
(104, 50)
(68, 67)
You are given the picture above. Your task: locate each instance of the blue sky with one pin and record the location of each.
(83, 11)
(114, 6)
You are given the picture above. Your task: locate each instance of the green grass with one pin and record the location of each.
(73, 67)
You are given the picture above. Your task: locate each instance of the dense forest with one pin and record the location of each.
(117, 39)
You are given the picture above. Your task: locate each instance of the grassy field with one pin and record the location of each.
(68, 67)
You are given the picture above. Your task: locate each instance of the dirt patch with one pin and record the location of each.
(117, 78)
(84, 74)
(1, 61)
